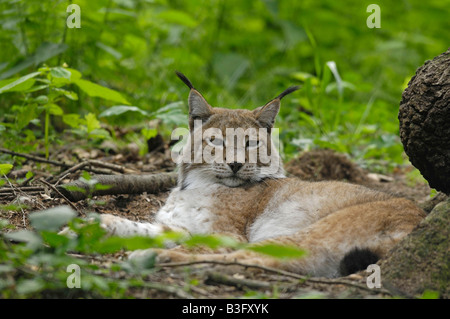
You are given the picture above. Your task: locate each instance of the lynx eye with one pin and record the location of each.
(214, 141)
(251, 144)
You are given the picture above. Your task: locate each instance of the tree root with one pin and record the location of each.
(117, 184)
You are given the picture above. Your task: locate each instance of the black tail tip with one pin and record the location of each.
(184, 79)
(356, 260)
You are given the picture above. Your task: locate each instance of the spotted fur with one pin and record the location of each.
(327, 219)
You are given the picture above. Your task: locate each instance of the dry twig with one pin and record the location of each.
(34, 158)
(59, 193)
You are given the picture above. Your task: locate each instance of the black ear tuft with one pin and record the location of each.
(287, 91)
(356, 260)
(184, 79)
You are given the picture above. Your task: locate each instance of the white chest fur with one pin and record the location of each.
(189, 209)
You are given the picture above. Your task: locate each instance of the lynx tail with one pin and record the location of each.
(356, 260)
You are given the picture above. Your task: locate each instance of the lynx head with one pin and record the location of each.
(230, 147)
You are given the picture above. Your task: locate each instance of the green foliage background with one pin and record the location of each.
(238, 53)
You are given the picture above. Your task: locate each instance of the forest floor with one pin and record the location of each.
(209, 280)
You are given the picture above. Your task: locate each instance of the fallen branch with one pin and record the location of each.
(88, 163)
(23, 189)
(118, 184)
(85, 165)
(34, 158)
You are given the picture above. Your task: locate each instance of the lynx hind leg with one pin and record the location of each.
(375, 227)
(366, 231)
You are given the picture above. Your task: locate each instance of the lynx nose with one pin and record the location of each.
(235, 166)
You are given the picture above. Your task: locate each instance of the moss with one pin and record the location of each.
(421, 261)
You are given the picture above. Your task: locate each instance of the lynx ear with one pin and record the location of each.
(198, 107)
(266, 114)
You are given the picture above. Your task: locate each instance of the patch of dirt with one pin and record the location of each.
(197, 281)
(320, 165)
(323, 164)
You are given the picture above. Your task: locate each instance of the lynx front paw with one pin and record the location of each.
(166, 256)
(122, 227)
(108, 221)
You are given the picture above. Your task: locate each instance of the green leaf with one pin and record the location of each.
(29, 175)
(25, 236)
(26, 115)
(73, 120)
(278, 251)
(99, 133)
(88, 178)
(13, 207)
(91, 122)
(99, 187)
(74, 74)
(170, 107)
(54, 109)
(178, 17)
(44, 52)
(172, 114)
(114, 244)
(59, 72)
(5, 168)
(73, 188)
(34, 88)
(120, 109)
(41, 99)
(24, 86)
(303, 76)
(148, 133)
(29, 286)
(19, 81)
(430, 294)
(176, 117)
(212, 241)
(69, 94)
(52, 219)
(95, 90)
(116, 54)
(53, 239)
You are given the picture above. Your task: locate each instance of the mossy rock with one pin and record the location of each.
(421, 261)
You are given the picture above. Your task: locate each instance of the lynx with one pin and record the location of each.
(339, 224)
